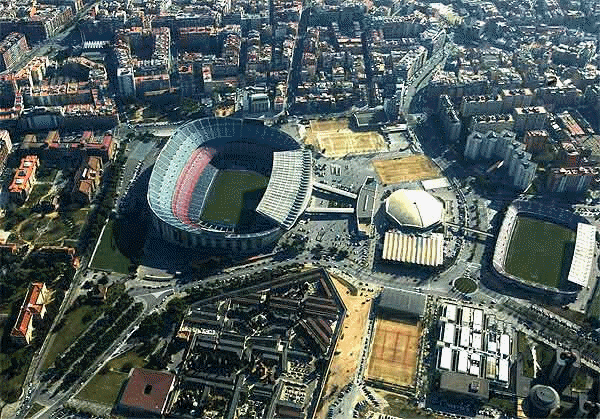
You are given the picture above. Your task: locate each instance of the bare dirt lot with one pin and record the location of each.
(347, 351)
(406, 169)
(394, 354)
(335, 138)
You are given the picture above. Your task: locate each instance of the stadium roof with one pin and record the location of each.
(289, 188)
(414, 208)
(583, 255)
(183, 164)
(408, 302)
(420, 250)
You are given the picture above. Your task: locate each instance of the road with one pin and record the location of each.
(32, 379)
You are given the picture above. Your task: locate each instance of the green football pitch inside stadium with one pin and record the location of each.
(540, 251)
(233, 197)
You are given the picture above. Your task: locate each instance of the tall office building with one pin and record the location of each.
(530, 118)
(536, 140)
(505, 147)
(480, 105)
(12, 49)
(126, 81)
(450, 122)
(515, 98)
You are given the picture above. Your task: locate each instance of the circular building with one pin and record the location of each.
(232, 184)
(414, 208)
(541, 401)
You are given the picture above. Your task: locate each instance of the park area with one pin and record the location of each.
(540, 251)
(107, 256)
(405, 169)
(233, 197)
(334, 138)
(104, 387)
(394, 353)
(40, 224)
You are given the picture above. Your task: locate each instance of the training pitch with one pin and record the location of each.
(394, 354)
(406, 169)
(233, 197)
(540, 251)
(336, 139)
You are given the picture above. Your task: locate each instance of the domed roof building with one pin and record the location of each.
(414, 208)
(541, 402)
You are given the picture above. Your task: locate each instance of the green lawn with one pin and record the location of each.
(399, 406)
(72, 328)
(105, 386)
(11, 379)
(39, 190)
(465, 285)
(594, 305)
(108, 257)
(540, 251)
(233, 197)
(524, 349)
(36, 407)
(126, 361)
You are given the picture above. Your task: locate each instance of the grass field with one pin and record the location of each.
(465, 285)
(406, 169)
(335, 139)
(36, 407)
(233, 197)
(108, 256)
(105, 386)
(540, 251)
(394, 354)
(73, 327)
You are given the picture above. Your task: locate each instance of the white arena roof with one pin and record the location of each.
(446, 359)
(420, 250)
(583, 255)
(438, 183)
(414, 208)
(449, 332)
(451, 312)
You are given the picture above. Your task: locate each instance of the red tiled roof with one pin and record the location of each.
(20, 328)
(147, 390)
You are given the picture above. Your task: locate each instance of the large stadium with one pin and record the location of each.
(546, 251)
(232, 184)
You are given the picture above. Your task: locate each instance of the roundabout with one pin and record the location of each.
(465, 285)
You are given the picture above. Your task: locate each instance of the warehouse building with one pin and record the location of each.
(475, 345)
(406, 304)
(414, 249)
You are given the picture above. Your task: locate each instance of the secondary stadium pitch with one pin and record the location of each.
(335, 139)
(394, 353)
(405, 169)
(233, 197)
(540, 251)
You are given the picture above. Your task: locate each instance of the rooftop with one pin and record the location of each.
(147, 391)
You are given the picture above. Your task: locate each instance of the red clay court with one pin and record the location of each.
(393, 356)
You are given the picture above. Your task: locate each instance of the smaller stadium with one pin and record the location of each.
(232, 184)
(545, 250)
(394, 353)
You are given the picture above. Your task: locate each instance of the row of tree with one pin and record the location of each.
(92, 335)
(101, 345)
